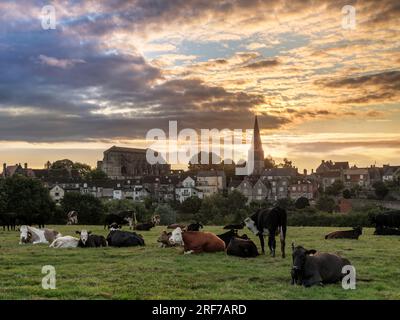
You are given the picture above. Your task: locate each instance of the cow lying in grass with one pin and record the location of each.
(118, 238)
(316, 268)
(244, 248)
(145, 226)
(33, 235)
(163, 239)
(65, 242)
(196, 241)
(229, 235)
(235, 226)
(347, 234)
(89, 240)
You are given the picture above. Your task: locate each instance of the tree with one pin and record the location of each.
(25, 197)
(381, 190)
(96, 175)
(191, 205)
(68, 165)
(269, 163)
(326, 204)
(166, 213)
(285, 203)
(346, 194)
(286, 163)
(335, 188)
(90, 209)
(302, 203)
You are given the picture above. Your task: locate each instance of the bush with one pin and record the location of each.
(166, 213)
(302, 203)
(321, 219)
(326, 204)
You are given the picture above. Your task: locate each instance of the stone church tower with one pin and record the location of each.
(257, 150)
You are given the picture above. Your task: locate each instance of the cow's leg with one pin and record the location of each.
(261, 237)
(272, 243)
(282, 239)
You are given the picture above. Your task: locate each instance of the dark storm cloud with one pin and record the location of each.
(263, 64)
(66, 84)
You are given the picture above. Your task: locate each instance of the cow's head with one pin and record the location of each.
(84, 235)
(164, 237)
(251, 225)
(176, 237)
(299, 255)
(358, 229)
(114, 226)
(25, 235)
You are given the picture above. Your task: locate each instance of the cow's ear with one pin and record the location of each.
(312, 251)
(77, 232)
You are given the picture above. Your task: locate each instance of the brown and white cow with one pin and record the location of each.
(72, 218)
(196, 241)
(34, 235)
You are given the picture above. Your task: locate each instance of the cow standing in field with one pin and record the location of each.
(316, 268)
(388, 219)
(244, 248)
(33, 235)
(118, 238)
(347, 234)
(269, 222)
(386, 231)
(65, 242)
(196, 241)
(89, 240)
(8, 220)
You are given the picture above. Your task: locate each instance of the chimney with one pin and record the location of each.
(4, 169)
(25, 166)
(312, 171)
(305, 172)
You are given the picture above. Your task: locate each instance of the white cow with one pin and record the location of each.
(65, 242)
(34, 235)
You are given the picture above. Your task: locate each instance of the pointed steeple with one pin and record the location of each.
(257, 150)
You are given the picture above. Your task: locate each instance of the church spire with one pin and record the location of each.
(257, 150)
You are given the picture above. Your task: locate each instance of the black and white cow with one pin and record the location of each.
(118, 238)
(119, 219)
(89, 240)
(269, 222)
(316, 268)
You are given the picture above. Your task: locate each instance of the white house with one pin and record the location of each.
(187, 189)
(57, 193)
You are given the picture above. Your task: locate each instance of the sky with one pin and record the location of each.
(112, 70)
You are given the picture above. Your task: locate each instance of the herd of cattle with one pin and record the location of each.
(310, 267)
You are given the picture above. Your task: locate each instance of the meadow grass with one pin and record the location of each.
(151, 272)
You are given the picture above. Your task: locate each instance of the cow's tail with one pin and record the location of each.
(283, 224)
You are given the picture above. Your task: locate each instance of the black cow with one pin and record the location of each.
(194, 226)
(244, 248)
(385, 231)
(235, 226)
(88, 240)
(388, 219)
(269, 222)
(145, 226)
(229, 235)
(115, 218)
(9, 220)
(316, 268)
(346, 234)
(118, 238)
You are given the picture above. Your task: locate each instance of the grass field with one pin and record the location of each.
(151, 272)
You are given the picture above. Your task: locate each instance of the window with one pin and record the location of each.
(260, 191)
(361, 177)
(280, 189)
(293, 188)
(284, 183)
(57, 194)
